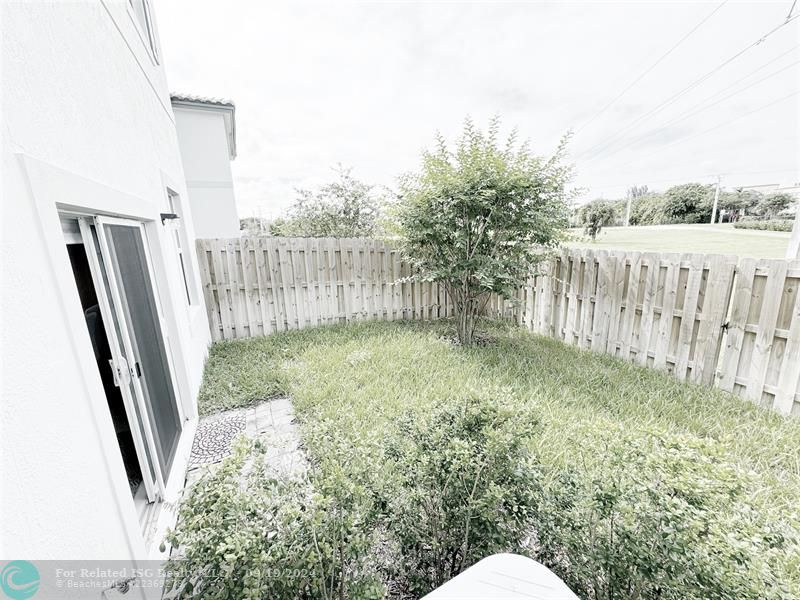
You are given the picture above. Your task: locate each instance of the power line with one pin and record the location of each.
(612, 140)
(695, 176)
(693, 163)
(750, 74)
(791, 10)
(611, 189)
(710, 129)
(698, 108)
(651, 67)
(691, 113)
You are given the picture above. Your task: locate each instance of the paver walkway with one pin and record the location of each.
(272, 422)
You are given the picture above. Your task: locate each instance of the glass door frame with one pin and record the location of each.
(133, 392)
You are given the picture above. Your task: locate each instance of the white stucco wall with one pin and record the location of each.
(206, 163)
(86, 122)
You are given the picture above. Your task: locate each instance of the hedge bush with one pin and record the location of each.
(244, 534)
(457, 485)
(769, 225)
(466, 489)
(661, 516)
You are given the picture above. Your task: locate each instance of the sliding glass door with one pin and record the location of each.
(124, 276)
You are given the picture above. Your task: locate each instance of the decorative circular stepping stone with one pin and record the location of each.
(214, 436)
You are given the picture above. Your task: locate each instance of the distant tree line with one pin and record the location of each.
(346, 207)
(685, 203)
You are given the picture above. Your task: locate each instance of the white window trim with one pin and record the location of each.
(185, 270)
(153, 50)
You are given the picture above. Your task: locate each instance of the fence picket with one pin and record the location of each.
(740, 308)
(688, 315)
(629, 313)
(222, 283)
(617, 290)
(204, 255)
(789, 378)
(766, 328)
(264, 292)
(602, 305)
(652, 261)
(587, 300)
(719, 283)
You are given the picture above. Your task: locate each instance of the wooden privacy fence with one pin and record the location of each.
(257, 286)
(706, 318)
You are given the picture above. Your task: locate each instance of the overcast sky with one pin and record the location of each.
(368, 85)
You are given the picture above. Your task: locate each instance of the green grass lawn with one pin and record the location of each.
(350, 384)
(705, 239)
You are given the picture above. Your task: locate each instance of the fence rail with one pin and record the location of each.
(705, 318)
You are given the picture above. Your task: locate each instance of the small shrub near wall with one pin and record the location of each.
(770, 225)
(243, 534)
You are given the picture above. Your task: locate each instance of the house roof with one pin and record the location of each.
(193, 98)
(224, 105)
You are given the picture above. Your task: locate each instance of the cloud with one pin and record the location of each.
(368, 84)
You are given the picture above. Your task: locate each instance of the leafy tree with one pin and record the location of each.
(480, 217)
(595, 215)
(344, 208)
(648, 210)
(638, 191)
(770, 206)
(253, 226)
(634, 193)
(688, 203)
(740, 200)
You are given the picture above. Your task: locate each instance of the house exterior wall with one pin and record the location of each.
(87, 123)
(204, 150)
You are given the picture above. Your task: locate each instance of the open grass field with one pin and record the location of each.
(351, 385)
(704, 239)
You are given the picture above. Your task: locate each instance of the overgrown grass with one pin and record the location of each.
(350, 384)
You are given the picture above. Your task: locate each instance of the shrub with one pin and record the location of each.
(242, 533)
(480, 217)
(770, 225)
(595, 215)
(465, 489)
(659, 517)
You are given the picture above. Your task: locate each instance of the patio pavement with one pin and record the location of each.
(272, 422)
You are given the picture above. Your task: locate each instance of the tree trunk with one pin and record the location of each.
(465, 322)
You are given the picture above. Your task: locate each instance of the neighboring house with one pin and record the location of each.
(104, 332)
(207, 137)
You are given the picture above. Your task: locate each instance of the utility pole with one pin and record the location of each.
(260, 220)
(628, 209)
(793, 250)
(716, 200)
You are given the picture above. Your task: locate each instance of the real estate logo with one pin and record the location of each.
(20, 580)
